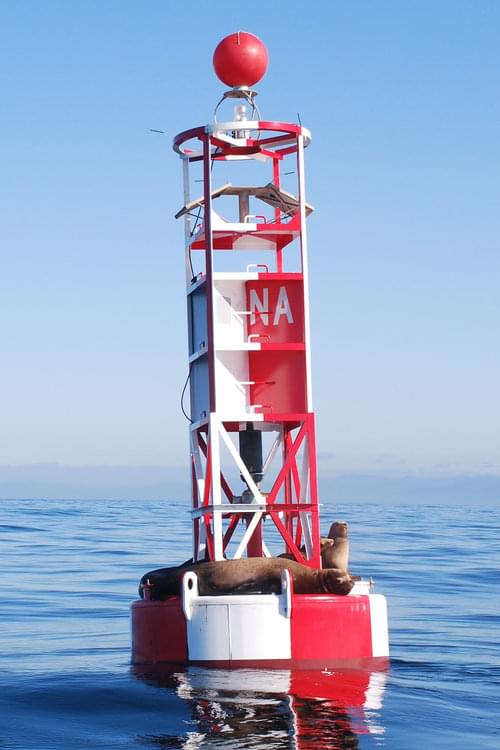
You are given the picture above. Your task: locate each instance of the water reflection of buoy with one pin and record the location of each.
(314, 708)
(252, 424)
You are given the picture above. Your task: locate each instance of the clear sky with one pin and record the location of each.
(403, 102)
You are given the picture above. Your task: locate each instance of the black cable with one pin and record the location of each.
(217, 149)
(193, 277)
(182, 396)
(198, 217)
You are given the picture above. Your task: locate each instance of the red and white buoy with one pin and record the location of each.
(251, 413)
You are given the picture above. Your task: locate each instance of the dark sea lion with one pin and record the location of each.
(253, 575)
(337, 555)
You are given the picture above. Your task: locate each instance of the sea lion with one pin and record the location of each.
(324, 543)
(337, 555)
(334, 547)
(252, 575)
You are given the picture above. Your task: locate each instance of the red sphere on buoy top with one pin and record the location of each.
(240, 59)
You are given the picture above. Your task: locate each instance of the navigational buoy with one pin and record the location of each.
(254, 489)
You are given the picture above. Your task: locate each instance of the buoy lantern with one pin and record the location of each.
(263, 587)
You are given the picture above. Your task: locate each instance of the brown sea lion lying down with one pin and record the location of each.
(253, 575)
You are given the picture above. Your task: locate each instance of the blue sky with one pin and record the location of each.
(403, 103)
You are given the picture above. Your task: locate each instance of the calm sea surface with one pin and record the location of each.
(69, 570)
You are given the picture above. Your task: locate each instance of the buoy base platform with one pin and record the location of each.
(262, 630)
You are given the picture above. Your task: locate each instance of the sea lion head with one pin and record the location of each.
(335, 581)
(338, 529)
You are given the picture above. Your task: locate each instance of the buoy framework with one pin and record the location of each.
(251, 408)
(250, 357)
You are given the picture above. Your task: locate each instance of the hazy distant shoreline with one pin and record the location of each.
(55, 481)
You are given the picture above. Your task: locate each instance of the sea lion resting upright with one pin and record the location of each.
(252, 575)
(334, 547)
(336, 555)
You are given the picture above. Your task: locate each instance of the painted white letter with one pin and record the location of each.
(282, 307)
(262, 307)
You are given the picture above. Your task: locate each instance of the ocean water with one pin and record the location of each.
(69, 570)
